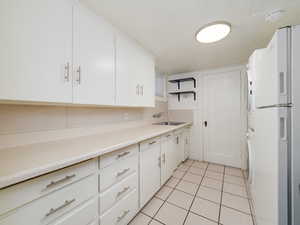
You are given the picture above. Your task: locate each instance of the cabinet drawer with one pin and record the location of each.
(118, 192)
(117, 156)
(122, 212)
(85, 214)
(167, 136)
(22, 193)
(149, 143)
(45, 210)
(118, 171)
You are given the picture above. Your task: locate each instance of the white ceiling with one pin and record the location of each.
(167, 28)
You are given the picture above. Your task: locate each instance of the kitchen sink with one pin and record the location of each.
(169, 123)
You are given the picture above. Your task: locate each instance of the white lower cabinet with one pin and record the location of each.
(86, 214)
(109, 190)
(150, 166)
(168, 165)
(118, 171)
(49, 208)
(122, 212)
(118, 192)
(187, 145)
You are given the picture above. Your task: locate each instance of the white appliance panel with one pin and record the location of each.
(270, 151)
(295, 153)
(272, 76)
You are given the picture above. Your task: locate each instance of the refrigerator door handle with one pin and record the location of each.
(283, 128)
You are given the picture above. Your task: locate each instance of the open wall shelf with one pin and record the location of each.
(178, 81)
(178, 93)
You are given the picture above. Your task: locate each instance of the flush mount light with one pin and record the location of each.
(213, 32)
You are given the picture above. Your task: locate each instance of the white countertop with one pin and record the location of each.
(24, 162)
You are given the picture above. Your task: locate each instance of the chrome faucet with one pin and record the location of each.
(157, 115)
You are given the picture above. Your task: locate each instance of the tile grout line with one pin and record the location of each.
(173, 188)
(221, 199)
(189, 210)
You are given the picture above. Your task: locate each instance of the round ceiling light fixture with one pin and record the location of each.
(213, 32)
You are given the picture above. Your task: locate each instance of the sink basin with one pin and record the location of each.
(169, 123)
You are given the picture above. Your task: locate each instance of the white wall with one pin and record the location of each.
(192, 111)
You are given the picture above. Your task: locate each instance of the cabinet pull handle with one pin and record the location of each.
(123, 215)
(54, 210)
(122, 192)
(79, 75)
(123, 154)
(67, 72)
(159, 162)
(137, 90)
(122, 172)
(66, 178)
(164, 158)
(153, 142)
(142, 90)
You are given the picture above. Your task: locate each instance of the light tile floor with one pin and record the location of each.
(199, 193)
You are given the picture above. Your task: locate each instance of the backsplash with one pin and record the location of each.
(19, 123)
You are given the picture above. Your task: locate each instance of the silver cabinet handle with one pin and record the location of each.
(153, 142)
(159, 162)
(142, 90)
(164, 158)
(123, 215)
(122, 172)
(66, 178)
(79, 75)
(123, 154)
(137, 90)
(177, 140)
(67, 72)
(122, 192)
(54, 210)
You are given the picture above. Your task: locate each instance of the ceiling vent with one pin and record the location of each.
(274, 16)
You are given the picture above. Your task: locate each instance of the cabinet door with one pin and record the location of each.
(149, 171)
(168, 148)
(36, 50)
(180, 141)
(146, 79)
(127, 75)
(187, 144)
(94, 59)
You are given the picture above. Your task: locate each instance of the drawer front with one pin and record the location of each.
(122, 212)
(117, 192)
(20, 194)
(117, 156)
(50, 207)
(149, 143)
(85, 214)
(167, 136)
(118, 171)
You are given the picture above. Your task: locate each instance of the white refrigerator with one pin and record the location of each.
(276, 145)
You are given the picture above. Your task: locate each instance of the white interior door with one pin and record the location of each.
(94, 59)
(222, 135)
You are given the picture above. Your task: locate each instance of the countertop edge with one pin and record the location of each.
(26, 175)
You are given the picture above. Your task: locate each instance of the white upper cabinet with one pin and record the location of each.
(58, 51)
(127, 87)
(36, 50)
(135, 74)
(94, 59)
(146, 77)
